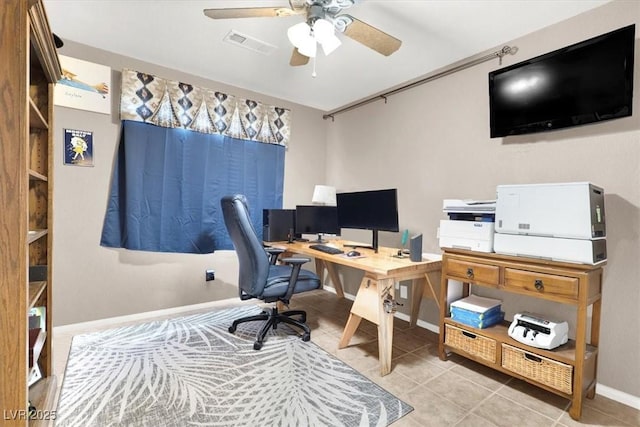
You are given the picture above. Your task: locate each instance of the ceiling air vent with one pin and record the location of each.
(248, 42)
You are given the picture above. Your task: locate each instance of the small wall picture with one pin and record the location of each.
(84, 85)
(78, 147)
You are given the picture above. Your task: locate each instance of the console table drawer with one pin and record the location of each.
(481, 273)
(474, 344)
(540, 283)
(545, 371)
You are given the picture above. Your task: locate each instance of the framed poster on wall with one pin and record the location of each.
(78, 147)
(84, 85)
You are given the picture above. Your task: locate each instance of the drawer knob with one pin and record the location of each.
(470, 273)
(538, 284)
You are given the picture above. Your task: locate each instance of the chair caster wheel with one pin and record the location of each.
(257, 345)
(232, 329)
(306, 337)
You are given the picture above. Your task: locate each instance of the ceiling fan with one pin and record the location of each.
(323, 20)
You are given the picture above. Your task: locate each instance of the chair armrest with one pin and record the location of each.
(296, 263)
(295, 260)
(273, 254)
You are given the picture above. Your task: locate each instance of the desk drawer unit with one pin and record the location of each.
(474, 344)
(545, 371)
(541, 284)
(474, 272)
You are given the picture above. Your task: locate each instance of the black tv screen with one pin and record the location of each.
(370, 210)
(587, 82)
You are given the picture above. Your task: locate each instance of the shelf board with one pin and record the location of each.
(42, 395)
(34, 235)
(36, 119)
(566, 353)
(35, 290)
(37, 176)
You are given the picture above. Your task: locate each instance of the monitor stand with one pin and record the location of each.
(374, 243)
(318, 240)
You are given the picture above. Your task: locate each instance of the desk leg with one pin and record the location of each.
(364, 306)
(335, 278)
(349, 330)
(417, 290)
(320, 270)
(368, 305)
(385, 326)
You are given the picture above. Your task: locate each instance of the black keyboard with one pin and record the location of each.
(326, 249)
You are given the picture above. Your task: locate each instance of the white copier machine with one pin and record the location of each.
(470, 224)
(561, 222)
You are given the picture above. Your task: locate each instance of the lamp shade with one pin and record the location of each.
(324, 194)
(323, 30)
(308, 47)
(299, 34)
(330, 44)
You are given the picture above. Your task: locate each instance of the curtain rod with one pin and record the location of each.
(499, 54)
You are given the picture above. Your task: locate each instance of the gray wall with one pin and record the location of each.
(432, 142)
(93, 282)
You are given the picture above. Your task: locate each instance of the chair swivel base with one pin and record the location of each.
(271, 319)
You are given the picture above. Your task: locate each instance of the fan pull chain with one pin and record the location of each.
(313, 74)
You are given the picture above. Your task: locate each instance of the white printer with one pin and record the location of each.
(470, 235)
(560, 221)
(572, 210)
(470, 224)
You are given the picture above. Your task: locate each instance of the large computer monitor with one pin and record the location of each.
(375, 210)
(318, 220)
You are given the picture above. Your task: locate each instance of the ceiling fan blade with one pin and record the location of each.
(370, 36)
(251, 12)
(297, 58)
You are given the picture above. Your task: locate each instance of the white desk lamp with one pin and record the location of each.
(324, 195)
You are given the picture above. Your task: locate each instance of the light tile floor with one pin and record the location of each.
(456, 392)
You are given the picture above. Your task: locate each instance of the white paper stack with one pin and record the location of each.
(476, 303)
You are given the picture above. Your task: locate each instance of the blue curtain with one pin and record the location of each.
(167, 184)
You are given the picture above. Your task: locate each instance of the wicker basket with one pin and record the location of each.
(474, 344)
(545, 371)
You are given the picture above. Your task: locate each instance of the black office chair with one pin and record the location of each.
(260, 277)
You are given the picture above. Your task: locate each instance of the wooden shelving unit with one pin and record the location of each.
(29, 67)
(569, 370)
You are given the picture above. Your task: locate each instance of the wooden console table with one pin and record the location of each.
(569, 370)
(381, 271)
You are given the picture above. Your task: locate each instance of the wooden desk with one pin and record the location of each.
(381, 271)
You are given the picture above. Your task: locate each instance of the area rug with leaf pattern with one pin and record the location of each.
(190, 371)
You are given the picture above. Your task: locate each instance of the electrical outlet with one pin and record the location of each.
(403, 292)
(210, 275)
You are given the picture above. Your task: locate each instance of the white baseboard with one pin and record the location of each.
(618, 396)
(603, 390)
(111, 321)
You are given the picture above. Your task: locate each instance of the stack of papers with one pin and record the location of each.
(477, 304)
(479, 312)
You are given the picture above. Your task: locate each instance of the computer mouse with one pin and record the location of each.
(353, 253)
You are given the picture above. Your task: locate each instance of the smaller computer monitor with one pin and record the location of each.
(314, 219)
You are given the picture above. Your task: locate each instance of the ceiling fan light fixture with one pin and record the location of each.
(323, 30)
(300, 34)
(309, 48)
(330, 45)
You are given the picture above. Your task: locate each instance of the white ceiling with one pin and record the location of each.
(177, 35)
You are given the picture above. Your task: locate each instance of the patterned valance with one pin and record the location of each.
(167, 103)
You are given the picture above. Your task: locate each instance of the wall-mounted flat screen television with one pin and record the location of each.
(587, 82)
